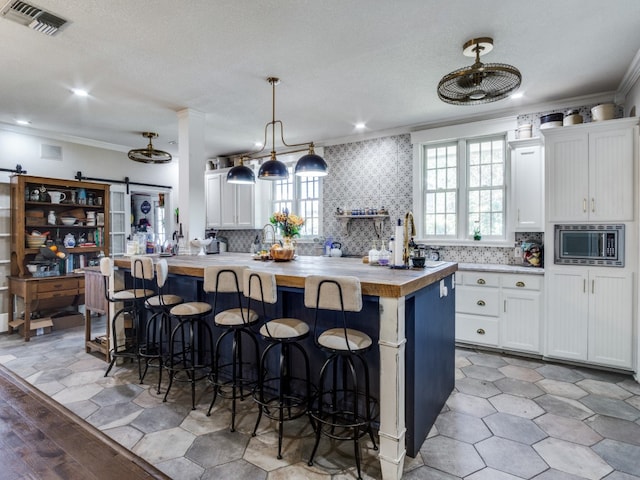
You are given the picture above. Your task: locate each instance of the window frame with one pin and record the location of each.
(503, 128)
(296, 201)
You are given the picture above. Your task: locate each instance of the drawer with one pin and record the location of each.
(480, 279)
(478, 300)
(523, 282)
(475, 329)
(57, 284)
(57, 294)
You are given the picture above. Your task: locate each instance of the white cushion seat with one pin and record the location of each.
(234, 317)
(132, 294)
(334, 339)
(284, 328)
(190, 308)
(167, 300)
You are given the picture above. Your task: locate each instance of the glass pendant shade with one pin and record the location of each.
(241, 174)
(273, 169)
(311, 165)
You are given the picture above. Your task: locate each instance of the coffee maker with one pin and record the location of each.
(214, 246)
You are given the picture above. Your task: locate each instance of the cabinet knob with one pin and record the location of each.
(480, 331)
(480, 281)
(481, 303)
(519, 284)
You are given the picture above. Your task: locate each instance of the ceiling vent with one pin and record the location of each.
(33, 17)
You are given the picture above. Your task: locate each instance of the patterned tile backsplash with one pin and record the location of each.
(378, 173)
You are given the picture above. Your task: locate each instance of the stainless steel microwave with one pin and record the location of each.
(589, 245)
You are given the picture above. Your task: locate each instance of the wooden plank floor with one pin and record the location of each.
(39, 439)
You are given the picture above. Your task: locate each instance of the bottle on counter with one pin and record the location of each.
(374, 254)
(384, 255)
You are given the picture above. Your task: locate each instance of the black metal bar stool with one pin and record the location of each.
(190, 347)
(280, 395)
(343, 406)
(157, 333)
(231, 378)
(125, 324)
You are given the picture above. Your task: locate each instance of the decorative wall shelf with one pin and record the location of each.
(378, 222)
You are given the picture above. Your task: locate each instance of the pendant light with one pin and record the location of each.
(480, 82)
(241, 174)
(149, 154)
(273, 169)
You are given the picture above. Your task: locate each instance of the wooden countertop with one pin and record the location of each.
(377, 281)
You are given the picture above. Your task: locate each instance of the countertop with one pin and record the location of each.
(375, 280)
(499, 268)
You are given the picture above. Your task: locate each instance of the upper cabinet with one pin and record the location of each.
(527, 193)
(230, 206)
(589, 171)
(67, 214)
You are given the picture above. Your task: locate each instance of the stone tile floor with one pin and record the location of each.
(508, 418)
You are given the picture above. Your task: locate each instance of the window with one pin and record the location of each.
(300, 195)
(464, 188)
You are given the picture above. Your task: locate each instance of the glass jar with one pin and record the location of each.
(51, 218)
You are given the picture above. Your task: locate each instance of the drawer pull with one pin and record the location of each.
(480, 331)
(519, 284)
(481, 303)
(481, 281)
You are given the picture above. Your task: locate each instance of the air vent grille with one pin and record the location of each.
(32, 17)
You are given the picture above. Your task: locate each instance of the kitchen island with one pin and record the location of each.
(410, 313)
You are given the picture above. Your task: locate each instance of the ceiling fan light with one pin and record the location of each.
(311, 165)
(149, 154)
(242, 175)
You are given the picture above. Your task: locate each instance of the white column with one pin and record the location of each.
(191, 201)
(392, 345)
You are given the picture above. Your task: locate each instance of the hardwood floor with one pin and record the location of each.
(41, 440)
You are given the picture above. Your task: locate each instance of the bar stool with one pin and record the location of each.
(341, 412)
(127, 319)
(190, 347)
(158, 326)
(230, 379)
(277, 394)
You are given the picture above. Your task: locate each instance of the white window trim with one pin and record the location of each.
(291, 159)
(454, 133)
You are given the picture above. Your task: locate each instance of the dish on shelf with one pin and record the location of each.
(35, 241)
(68, 221)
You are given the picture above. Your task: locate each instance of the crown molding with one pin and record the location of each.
(630, 77)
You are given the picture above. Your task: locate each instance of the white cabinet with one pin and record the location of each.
(590, 316)
(500, 310)
(527, 185)
(589, 171)
(521, 307)
(229, 206)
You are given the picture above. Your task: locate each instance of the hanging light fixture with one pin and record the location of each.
(480, 82)
(310, 164)
(241, 174)
(149, 154)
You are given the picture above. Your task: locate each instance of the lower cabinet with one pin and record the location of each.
(500, 310)
(590, 316)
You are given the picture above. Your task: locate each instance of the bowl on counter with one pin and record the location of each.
(282, 254)
(32, 268)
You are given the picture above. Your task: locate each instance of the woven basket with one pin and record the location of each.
(282, 254)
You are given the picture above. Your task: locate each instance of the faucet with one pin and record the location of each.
(408, 217)
(264, 233)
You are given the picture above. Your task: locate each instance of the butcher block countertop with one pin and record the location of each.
(375, 280)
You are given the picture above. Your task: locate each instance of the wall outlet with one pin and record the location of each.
(517, 252)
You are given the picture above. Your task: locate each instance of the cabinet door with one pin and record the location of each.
(611, 175)
(120, 213)
(567, 310)
(567, 178)
(228, 218)
(520, 322)
(610, 318)
(213, 195)
(527, 169)
(245, 206)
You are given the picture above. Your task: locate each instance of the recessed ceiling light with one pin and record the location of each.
(257, 144)
(360, 126)
(80, 92)
(515, 96)
(172, 142)
(23, 122)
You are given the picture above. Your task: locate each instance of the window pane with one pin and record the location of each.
(440, 189)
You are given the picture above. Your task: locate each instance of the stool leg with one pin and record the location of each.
(172, 357)
(318, 427)
(215, 373)
(260, 386)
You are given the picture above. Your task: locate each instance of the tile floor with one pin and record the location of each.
(508, 418)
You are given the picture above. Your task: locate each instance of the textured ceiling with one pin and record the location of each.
(341, 62)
